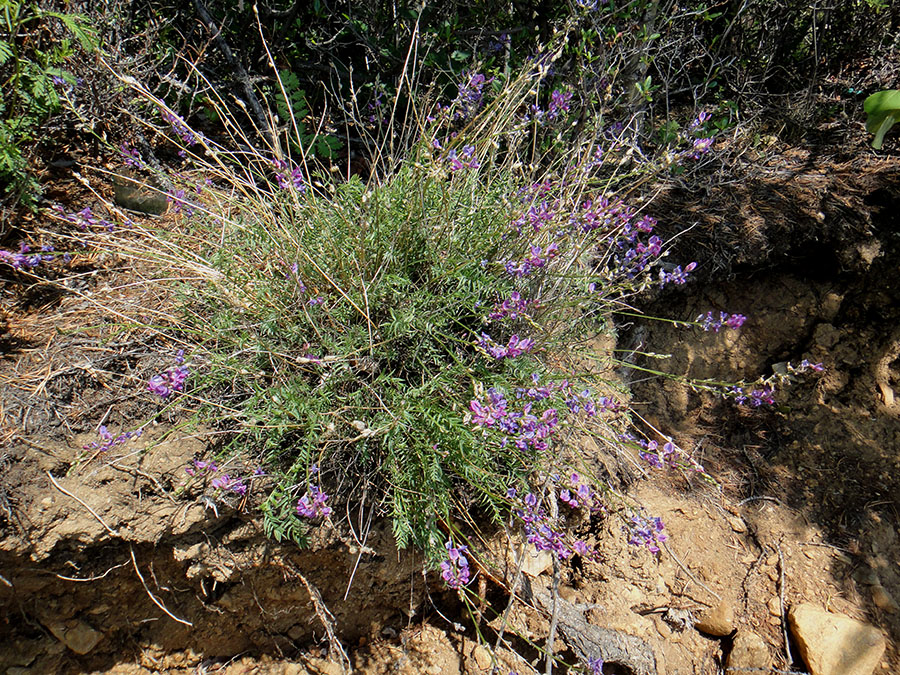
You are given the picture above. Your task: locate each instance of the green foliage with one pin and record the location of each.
(292, 106)
(882, 112)
(31, 77)
(377, 405)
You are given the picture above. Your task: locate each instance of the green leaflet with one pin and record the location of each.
(882, 111)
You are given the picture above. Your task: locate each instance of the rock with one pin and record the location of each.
(884, 600)
(139, 194)
(774, 606)
(749, 651)
(833, 644)
(76, 635)
(482, 657)
(718, 621)
(738, 524)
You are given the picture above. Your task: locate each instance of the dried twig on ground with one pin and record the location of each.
(155, 600)
(325, 616)
(113, 532)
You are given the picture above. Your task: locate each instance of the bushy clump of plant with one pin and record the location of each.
(412, 344)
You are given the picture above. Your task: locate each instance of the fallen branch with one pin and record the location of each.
(588, 641)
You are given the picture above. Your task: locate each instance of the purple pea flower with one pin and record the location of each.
(312, 504)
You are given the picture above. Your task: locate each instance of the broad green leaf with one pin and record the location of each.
(882, 112)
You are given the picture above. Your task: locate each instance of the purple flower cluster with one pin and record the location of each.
(172, 380)
(539, 529)
(455, 569)
(201, 468)
(225, 482)
(668, 455)
(220, 481)
(513, 308)
(559, 104)
(515, 347)
(538, 216)
(701, 146)
(131, 156)
(470, 97)
(465, 159)
(700, 120)
(805, 366)
(756, 398)
(676, 275)
(180, 205)
(499, 43)
(189, 136)
(579, 493)
(83, 219)
(709, 323)
(596, 664)
(523, 427)
(288, 177)
(26, 259)
(312, 504)
(634, 246)
(644, 531)
(373, 108)
(107, 440)
(538, 259)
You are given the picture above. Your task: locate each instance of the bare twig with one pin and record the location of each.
(100, 576)
(113, 532)
(155, 600)
(325, 616)
(554, 591)
(688, 572)
(784, 623)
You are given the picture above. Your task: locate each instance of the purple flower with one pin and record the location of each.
(131, 156)
(806, 365)
(701, 147)
(312, 504)
(225, 482)
(761, 397)
(515, 347)
(677, 275)
(107, 440)
(559, 104)
(181, 129)
(644, 531)
(176, 197)
(512, 308)
(470, 97)
(700, 120)
(710, 323)
(455, 569)
(172, 380)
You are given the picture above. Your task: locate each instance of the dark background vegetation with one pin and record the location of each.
(342, 62)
